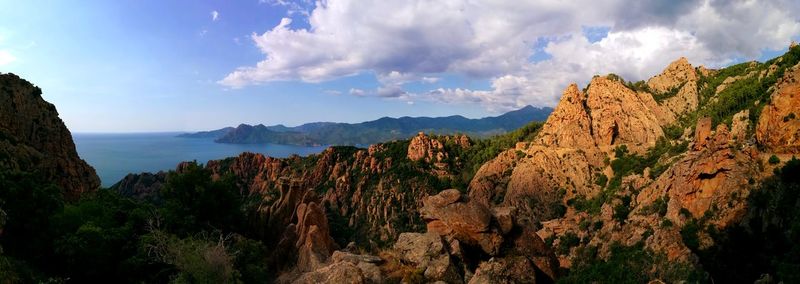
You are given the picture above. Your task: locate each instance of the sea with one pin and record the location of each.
(115, 155)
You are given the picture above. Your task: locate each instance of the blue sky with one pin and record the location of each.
(153, 65)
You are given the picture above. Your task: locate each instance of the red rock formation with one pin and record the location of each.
(715, 175)
(679, 74)
(779, 124)
(607, 114)
(314, 242)
(467, 222)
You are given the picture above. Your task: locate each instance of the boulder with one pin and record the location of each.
(504, 216)
(342, 267)
(467, 222)
(508, 270)
(527, 243)
(429, 253)
(339, 272)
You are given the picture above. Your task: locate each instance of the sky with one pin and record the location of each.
(185, 65)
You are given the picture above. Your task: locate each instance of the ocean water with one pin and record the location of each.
(116, 155)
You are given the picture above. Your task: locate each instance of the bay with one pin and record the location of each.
(116, 155)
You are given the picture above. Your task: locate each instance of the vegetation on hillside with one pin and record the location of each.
(193, 234)
(766, 242)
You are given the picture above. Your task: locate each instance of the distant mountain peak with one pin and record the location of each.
(379, 130)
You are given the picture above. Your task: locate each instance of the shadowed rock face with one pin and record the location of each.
(33, 138)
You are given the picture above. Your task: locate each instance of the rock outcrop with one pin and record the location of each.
(779, 124)
(34, 139)
(679, 78)
(432, 151)
(428, 253)
(140, 186)
(740, 125)
(712, 177)
(516, 269)
(314, 243)
(465, 230)
(607, 114)
(570, 124)
(467, 222)
(352, 181)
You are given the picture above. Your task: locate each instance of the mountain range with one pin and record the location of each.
(375, 131)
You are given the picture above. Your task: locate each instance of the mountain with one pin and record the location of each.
(213, 134)
(246, 134)
(376, 131)
(688, 177)
(34, 139)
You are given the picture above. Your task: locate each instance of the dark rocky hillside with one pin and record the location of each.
(34, 139)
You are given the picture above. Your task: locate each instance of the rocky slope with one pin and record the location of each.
(34, 139)
(646, 173)
(651, 191)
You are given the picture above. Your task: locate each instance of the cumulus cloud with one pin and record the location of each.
(416, 41)
(214, 15)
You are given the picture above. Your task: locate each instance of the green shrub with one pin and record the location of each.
(689, 234)
(660, 97)
(622, 209)
(628, 264)
(773, 160)
(788, 117)
(600, 179)
(567, 241)
(658, 206)
(673, 131)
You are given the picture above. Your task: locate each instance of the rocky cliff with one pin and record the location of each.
(580, 189)
(34, 139)
(779, 124)
(677, 84)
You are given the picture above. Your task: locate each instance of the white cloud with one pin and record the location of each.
(214, 15)
(302, 7)
(358, 92)
(407, 41)
(6, 57)
(430, 80)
